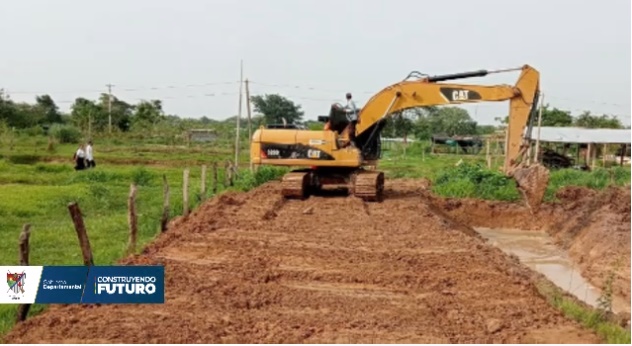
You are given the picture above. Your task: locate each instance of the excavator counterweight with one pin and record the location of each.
(345, 154)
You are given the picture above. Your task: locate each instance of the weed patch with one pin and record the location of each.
(471, 180)
(595, 319)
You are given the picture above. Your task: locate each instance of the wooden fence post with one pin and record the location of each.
(165, 206)
(233, 173)
(84, 242)
(185, 192)
(488, 158)
(132, 219)
(215, 178)
(23, 310)
(228, 174)
(203, 183)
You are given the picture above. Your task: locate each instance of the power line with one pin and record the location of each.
(302, 95)
(265, 84)
(128, 89)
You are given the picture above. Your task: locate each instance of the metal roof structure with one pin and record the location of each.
(581, 135)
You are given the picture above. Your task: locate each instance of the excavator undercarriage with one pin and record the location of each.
(365, 184)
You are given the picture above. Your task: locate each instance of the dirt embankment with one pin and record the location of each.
(252, 267)
(594, 226)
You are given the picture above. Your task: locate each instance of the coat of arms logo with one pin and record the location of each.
(16, 284)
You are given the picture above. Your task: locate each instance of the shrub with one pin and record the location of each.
(474, 181)
(248, 180)
(141, 176)
(65, 133)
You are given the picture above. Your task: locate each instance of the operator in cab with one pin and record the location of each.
(351, 109)
(352, 116)
(350, 113)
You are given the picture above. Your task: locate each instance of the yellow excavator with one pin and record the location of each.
(346, 152)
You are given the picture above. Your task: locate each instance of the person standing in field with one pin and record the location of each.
(89, 155)
(80, 157)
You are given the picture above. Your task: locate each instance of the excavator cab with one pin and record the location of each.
(337, 119)
(338, 122)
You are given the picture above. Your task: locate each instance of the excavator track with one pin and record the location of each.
(295, 185)
(369, 185)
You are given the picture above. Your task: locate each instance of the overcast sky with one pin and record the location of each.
(312, 51)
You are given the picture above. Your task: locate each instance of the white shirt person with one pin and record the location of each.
(80, 156)
(90, 155)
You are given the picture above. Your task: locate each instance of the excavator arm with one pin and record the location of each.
(428, 92)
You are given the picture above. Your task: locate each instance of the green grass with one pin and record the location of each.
(472, 179)
(592, 318)
(40, 193)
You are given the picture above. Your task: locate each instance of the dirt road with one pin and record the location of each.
(251, 268)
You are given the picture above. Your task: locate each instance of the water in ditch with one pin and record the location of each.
(537, 250)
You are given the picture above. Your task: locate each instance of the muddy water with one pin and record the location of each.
(537, 250)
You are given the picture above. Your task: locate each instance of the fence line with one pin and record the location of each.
(82, 234)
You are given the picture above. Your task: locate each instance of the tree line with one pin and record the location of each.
(93, 116)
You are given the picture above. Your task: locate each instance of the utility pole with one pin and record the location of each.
(537, 142)
(90, 125)
(241, 81)
(109, 107)
(249, 119)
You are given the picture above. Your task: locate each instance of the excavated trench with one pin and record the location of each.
(537, 250)
(254, 268)
(578, 243)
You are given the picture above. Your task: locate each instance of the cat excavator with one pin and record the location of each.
(346, 154)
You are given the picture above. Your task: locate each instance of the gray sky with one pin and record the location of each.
(71, 48)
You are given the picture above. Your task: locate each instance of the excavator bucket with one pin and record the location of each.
(532, 182)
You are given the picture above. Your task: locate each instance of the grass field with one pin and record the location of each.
(37, 184)
(37, 187)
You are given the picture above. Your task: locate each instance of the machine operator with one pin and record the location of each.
(352, 116)
(351, 113)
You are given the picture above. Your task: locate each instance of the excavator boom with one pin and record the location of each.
(426, 92)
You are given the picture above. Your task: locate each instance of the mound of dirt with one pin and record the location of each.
(254, 268)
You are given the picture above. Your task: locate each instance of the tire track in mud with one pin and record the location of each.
(252, 267)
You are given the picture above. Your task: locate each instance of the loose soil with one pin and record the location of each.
(254, 268)
(594, 226)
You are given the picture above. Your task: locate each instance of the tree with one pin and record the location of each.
(485, 129)
(555, 117)
(46, 110)
(148, 113)
(86, 113)
(448, 121)
(400, 124)
(590, 121)
(275, 107)
(122, 113)
(550, 117)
